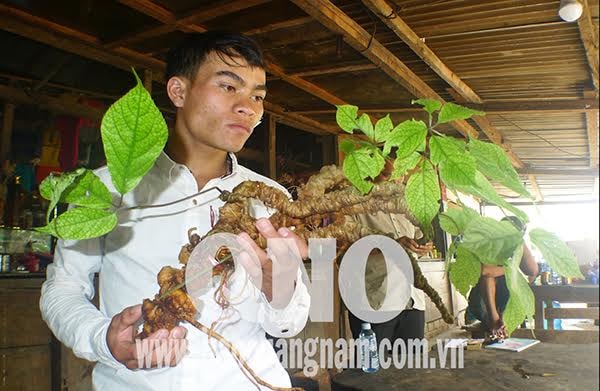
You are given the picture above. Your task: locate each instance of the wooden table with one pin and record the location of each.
(575, 367)
(564, 294)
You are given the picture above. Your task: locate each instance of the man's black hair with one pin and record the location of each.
(185, 58)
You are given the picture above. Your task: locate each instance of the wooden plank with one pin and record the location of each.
(589, 37)
(272, 147)
(304, 85)
(337, 21)
(7, 129)
(567, 293)
(591, 124)
(151, 9)
(571, 313)
(328, 70)
(536, 189)
(279, 25)
(560, 172)
(388, 15)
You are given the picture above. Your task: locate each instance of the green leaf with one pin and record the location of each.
(401, 166)
(53, 186)
(556, 253)
(81, 223)
(492, 241)
(483, 189)
(465, 271)
(347, 146)
(134, 133)
(455, 220)
(382, 128)
(493, 162)
(345, 117)
(456, 166)
(366, 126)
(407, 136)
(453, 112)
(513, 314)
(429, 105)
(88, 190)
(423, 194)
(361, 164)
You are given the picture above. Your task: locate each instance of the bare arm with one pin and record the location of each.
(528, 264)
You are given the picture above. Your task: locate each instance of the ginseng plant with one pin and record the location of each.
(134, 133)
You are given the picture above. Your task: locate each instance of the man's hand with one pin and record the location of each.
(498, 330)
(285, 253)
(120, 340)
(415, 247)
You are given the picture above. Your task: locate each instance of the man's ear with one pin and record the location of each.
(176, 89)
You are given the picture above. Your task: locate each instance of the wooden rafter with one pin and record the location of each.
(52, 34)
(591, 121)
(387, 14)
(589, 37)
(337, 21)
(569, 172)
(537, 193)
(534, 106)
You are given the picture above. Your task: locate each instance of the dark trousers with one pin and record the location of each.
(409, 324)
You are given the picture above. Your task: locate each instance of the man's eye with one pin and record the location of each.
(259, 98)
(228, 87)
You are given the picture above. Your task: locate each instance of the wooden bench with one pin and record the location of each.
(546, 294)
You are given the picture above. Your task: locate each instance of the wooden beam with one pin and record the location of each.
(328, 70)
(215, 10)
(337, 21)
(272, 147)
(26, 25)
(299, 121)
(60, 37)
(534, 106)
(388, 16)
(148, 80)
(279, 25)
(151, 9)
(589, 37)
(57, 105)
(591, 121)
(578, 172)
(7, 129)
(304, 85)
(537, 193)
(572, 313)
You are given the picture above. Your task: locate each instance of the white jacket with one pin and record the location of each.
(128, 260)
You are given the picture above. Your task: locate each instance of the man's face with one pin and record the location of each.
(223, 104)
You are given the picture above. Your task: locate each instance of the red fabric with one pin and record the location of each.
(41, 172)
(69, 149)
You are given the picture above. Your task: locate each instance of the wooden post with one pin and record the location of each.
(272, 143)
(7, 128)
(148, 80)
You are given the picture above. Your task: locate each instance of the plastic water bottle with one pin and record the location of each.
(368, 349)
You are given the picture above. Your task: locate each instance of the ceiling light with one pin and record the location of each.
(570, 10)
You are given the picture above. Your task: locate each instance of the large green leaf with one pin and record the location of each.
(345, 117)
(483, 189)
(401, 166)
(347, 146)
(556, 253)
(88, 190)
(453, 112)
(53, 186)
(493, 162)
(429, 105)
(362, 164)
(134, 133)
(465, 271)
(514, 314)
(423, 194)
(407, 136)
(492, 241)
(81, 223)
(456, 166)
(455, 220)
(366, 126)
(382, 128)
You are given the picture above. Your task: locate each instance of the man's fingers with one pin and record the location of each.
(159, 334)
(178, 332)
(129, 316)
(300, 243)
(266, 229)
(253, 250)
(251, 264)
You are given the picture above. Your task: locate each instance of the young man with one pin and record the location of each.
(216, 81)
